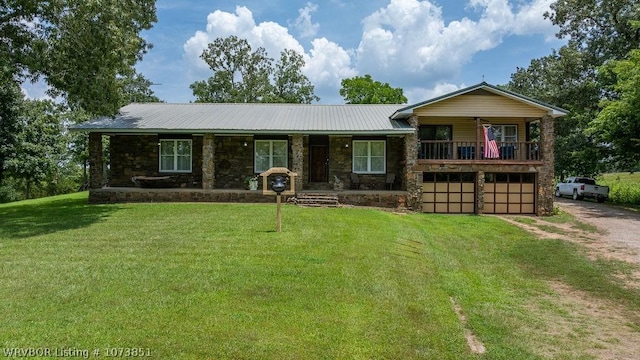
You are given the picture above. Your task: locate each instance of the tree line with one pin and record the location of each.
(86, 51)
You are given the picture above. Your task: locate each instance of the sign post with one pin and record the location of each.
(278, 187)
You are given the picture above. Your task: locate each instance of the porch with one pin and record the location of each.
(374, 198)
(466, 150)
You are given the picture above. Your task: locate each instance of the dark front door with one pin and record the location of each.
(319, 163)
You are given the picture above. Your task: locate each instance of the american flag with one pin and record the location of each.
(490, 147)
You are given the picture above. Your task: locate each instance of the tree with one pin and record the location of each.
(38, 150)
(242, 75)
(562, 79)
(81, 47)
(137, 89)
(598, 31)
(291, 85)
(602, 29)
(618, 124)
(364, 90)
(10, 101)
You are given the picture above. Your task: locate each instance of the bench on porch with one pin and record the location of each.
(155, 181)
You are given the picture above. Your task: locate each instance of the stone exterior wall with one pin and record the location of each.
(138, 156)
(546, 175)
(96, 163)
(208, 162)
(234, 161)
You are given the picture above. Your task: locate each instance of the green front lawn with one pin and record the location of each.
(215, 281)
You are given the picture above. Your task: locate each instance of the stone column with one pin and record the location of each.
(96, 163)
(208, 162)
(412, 179)
(297, 161)
(546, 171)
(480, 192)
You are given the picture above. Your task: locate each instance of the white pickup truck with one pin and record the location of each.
(582, 187)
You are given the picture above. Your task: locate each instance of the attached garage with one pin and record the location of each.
(450, 193)
(509, 193)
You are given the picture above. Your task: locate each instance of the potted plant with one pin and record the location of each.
(252, 182)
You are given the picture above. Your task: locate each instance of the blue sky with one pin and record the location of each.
(427, 48)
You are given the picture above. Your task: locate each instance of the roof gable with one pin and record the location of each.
(465, 97)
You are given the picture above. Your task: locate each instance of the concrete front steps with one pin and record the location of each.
(317, 199)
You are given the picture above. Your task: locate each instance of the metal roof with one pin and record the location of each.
(552, 110)
(227, 118)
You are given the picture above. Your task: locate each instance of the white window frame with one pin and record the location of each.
(175, 155)
(369, 156)
(500, 134)
(270, 155)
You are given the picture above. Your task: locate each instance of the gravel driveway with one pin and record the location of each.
(620, 228)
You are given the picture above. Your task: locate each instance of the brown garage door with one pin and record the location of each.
(506, 193)
(449, 193)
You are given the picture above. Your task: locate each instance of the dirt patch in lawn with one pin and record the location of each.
(581, 323)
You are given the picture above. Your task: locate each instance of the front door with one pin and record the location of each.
(319, 163)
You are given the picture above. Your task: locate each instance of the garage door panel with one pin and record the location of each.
(515, 194)
(528, 209)
(442, 208)
(469, 198)
(428, 197)
(468, 208)
(514, 198)
(428, 208)
(447, 193)
(442, 187)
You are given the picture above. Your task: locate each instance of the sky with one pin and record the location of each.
(427, 48)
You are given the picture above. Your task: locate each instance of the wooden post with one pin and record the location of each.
(278, 214)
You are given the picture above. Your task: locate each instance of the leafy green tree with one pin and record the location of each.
(601, 29)
(38, 151)
(364, 90)
(290, 84)
(10, 101)
(80, 47)
(598, 31)
(137, 89)
(242, 75)
(618, 124)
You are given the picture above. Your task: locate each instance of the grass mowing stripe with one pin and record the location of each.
(197, 281)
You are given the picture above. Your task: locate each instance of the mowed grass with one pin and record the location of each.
(215, 281)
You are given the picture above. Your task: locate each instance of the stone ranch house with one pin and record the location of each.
(481, 149)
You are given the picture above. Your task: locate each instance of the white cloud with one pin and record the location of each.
(407, 43)
(326, 62)
(303, 24)
(411, 37)
(418, 94)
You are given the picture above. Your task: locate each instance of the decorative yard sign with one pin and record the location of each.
(278, 187)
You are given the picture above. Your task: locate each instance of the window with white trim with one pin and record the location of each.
(505, 133)
(175, 155)
(369, 156)
(270, 153)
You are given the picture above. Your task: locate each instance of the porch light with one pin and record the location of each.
(346, 146)
(244, 144)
